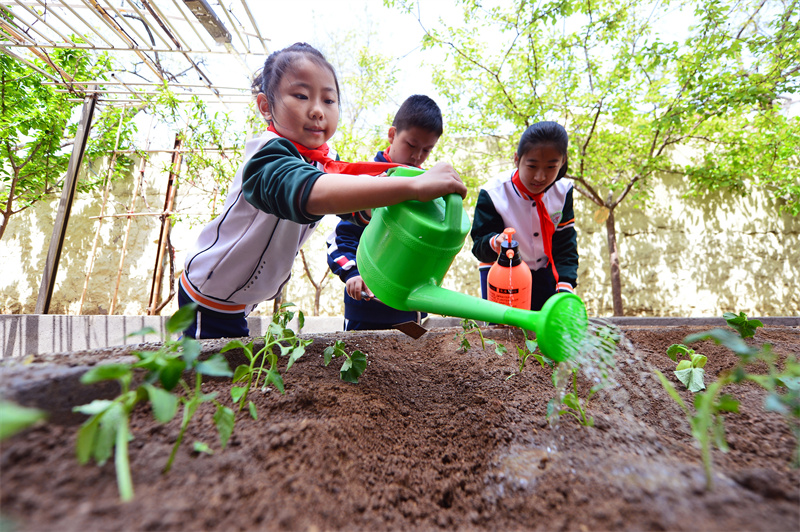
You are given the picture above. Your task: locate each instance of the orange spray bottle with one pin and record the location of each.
(509, 280)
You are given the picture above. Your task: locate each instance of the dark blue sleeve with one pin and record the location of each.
(565, 244)
(278, 181)
(342, 246)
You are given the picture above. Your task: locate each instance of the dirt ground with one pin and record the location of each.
(431, 438)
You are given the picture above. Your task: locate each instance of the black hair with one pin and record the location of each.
(419, 111)
(551, 133)
(278, 63)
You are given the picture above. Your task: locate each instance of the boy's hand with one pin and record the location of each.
(355, 286)
(440, 180)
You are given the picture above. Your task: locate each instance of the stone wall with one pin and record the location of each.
(679, 256)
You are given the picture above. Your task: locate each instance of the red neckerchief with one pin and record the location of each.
(548, 229)
(329, 166)
(386, 154)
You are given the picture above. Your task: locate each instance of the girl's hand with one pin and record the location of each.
(355, 286)
(440, 180)
(496, 241)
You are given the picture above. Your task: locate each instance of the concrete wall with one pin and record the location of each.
(679, 256)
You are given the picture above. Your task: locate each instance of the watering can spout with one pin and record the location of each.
(560, 326)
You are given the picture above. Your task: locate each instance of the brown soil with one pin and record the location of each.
(431, 438)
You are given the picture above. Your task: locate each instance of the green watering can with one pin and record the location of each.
(406, 250)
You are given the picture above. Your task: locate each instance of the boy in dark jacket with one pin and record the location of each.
(415, 130)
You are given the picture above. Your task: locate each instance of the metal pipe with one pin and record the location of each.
(63, 3)
(255, 26)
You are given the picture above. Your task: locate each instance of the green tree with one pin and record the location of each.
(37, 127)
(366, 80)
(628, 95)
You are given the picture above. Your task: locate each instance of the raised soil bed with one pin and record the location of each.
(431, 438)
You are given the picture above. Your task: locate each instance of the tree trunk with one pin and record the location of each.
(613, 261)
(317, 294)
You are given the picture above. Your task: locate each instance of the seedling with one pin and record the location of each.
(746, 328)
(278, 336)
(595, 361)
(689, 371)
(523, 354)
(707, 423)
(469, 326)
(354, 365)
(572, 402)
(783, 386)
(107, 430)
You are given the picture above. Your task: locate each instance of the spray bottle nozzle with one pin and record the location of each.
(510, 254)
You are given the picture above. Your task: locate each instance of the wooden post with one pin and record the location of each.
(65, 206)
(158, 272)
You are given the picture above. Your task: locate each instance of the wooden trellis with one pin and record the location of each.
(137, 32)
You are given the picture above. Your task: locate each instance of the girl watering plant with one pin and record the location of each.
(536, 201)
(287, 183)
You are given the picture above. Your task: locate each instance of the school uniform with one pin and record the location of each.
(342, 245)
(245, 255)
(501, 204)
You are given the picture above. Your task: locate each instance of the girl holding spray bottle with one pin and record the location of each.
(536, 200)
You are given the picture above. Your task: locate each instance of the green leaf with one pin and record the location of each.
(95, 407)
(675, 350)
(793, 383)
(531, 345)
(353, 367)
(121, 462)
(86, 438)
(224, 418)
(214, 366)
(699, 361)
(275, 378)
(773, 403)
(692, 378)
(106, 437)
(233, 344)
(237, 392)
(106, 372)
(202, 447)
(182, 319)
(253, 412)
(191, 349)
(684, 364)
(719, 434)
(241, 373)
(164, 404)
(746, 328)
(171, 372)
(500, 349)
(727, 403)
(572, 401)
(334, 351)
(15, 418)
(143, 332)
(552, 405)
(297, 352)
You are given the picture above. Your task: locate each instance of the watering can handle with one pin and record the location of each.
(453, 209)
